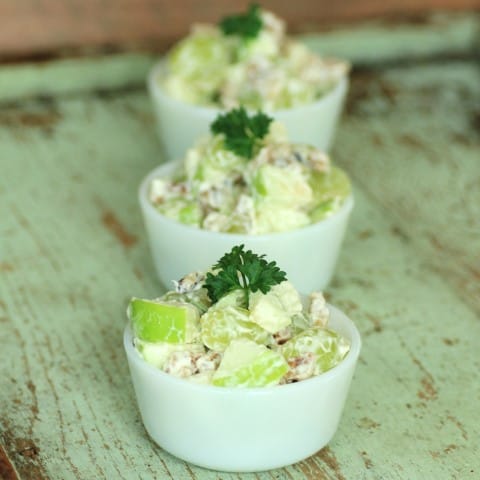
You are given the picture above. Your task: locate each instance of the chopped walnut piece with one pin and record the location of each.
(180, 364)
(318, 310)
(283, 335)
(301, 368)
(208, 362)
(189, 283)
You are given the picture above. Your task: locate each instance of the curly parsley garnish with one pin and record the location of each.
(246, 25)
(243, 133)
(242, 270)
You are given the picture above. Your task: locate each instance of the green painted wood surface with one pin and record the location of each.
(73, 250)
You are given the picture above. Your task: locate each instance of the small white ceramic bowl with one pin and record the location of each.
(307, 254)
(248, 429)
(180, 124)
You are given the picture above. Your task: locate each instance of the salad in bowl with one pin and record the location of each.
(234, 370)
(247, 183)
(246, 60)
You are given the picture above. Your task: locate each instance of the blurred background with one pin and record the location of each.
(32, 28)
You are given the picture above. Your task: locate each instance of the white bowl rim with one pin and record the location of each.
(147, 206)
(351, 358)
(156, 90)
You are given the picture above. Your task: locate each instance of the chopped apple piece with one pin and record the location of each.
(221, 326)
(171, 322)
(274, 310)
(248, 364)
(328, 347)
(158, 353)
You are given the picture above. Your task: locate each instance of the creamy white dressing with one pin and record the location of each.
(284, 186)
(269, 341)
(270, 72)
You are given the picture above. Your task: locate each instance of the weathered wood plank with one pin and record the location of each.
(418, 155)
(72, 250)
(29, 26)
(69, 76)
(363, 44)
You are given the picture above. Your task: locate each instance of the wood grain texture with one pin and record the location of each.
(32, 27)
(364, 44)
(432, 154)
(72, 251)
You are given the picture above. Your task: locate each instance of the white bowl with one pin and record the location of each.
(307, 254)
(247, 429)
(180, 124)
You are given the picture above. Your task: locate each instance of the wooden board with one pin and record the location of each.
(73, 250)
(33, 28)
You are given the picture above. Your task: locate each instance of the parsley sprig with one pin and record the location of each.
(243, 133)
(242, 270)
(246, 25)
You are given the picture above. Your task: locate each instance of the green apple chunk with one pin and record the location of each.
(220, 326)
(248, 364)
(334, 183)
(324, 209)
(200, 54)
(284, 187)
(329, 191)
(235, 298)
(211, 162)
(270, 217)
(328, 347)
(157, 321)
(181, 209)
(273, 311)
(198, 298)
(157, 353)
